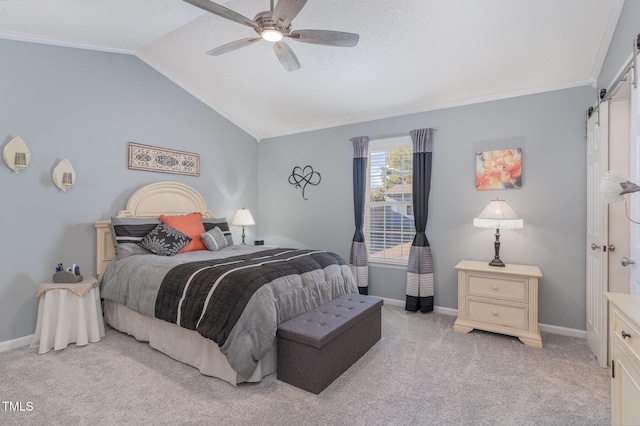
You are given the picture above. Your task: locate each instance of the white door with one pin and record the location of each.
(619, 230)
(634, 199)
(597, 219)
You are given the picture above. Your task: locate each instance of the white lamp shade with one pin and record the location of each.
(498, 214)
(243, 218)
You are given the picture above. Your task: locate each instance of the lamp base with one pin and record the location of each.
(496, 259)
(496, 262)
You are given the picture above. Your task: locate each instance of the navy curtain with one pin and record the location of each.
(359, 261)
(420, 267)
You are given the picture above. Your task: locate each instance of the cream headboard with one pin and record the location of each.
(168, 198)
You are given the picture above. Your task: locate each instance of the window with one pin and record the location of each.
(389, 227)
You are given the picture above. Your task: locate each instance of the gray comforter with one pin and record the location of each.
(136, 281)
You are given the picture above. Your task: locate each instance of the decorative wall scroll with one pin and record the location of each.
(301, 177)
(499, 169)
(155, 159)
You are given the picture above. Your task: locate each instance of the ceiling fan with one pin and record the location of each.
(274, 25)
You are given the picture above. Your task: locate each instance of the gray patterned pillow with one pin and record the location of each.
(164, 240)
(221, 223)
(127, 232)
(214, 239)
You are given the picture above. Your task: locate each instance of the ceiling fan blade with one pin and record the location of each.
(286, 56)
(234, 45)
(326, 38)
(286, 10)
(216, 9)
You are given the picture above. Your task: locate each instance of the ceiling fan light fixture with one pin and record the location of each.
(272, 35)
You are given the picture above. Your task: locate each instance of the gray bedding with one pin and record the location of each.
(136, 280)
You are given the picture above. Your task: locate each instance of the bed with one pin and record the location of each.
(186, 305)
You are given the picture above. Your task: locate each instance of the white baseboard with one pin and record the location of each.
(555, 329)
(15, 343)
(392, 302)
(547, 328)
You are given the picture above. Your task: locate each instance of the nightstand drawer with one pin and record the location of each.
(498, 314)
(494, 287)
(622, 324)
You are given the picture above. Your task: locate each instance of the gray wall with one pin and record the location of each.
(85, 106)
(549, 128)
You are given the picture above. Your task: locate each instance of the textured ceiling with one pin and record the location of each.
(413, 55)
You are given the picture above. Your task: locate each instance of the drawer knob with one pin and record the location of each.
(496, 287)
(495, 312)
(625, 335)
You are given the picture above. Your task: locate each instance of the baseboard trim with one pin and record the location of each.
(564, 331)
(15, 343)
(547, 328)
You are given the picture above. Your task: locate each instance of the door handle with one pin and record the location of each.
(626, 262)
(611, 247)
(594, 246)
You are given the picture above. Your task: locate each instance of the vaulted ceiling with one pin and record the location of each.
(413, 55)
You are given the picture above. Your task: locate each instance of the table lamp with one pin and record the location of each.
(498, 214)
(243, 218)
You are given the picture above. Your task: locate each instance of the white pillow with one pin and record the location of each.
(214, 239)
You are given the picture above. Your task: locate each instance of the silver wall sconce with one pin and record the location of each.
(16, 154)
(63, 175)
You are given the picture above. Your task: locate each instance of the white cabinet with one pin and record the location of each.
(624, 335)
(499, 299)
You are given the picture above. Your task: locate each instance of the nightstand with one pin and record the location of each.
(68, 312)
(624, 343)
(499, 299)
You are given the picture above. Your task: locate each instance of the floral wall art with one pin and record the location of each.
(500, 169)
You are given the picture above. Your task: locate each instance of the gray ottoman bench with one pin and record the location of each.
(318, 346)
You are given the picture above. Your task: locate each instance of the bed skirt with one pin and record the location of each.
(184, 345)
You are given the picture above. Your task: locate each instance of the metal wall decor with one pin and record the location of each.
(302, 176)
(156, 159)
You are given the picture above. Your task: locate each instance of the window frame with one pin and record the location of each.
(386, 144)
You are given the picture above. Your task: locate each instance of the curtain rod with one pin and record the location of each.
(394, 135)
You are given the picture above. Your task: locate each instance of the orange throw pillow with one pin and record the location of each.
(190, 224)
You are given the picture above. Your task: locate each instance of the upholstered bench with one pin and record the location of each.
(316, 347)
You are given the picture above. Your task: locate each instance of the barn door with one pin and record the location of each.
(597, 219)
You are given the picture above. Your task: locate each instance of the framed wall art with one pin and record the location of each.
(163, 160)
(500, 169)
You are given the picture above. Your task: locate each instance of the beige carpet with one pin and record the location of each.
(421, 373)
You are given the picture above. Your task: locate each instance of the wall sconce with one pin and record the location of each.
(498, 214)
(16, 154)
(63, 175)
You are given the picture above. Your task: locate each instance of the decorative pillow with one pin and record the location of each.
(221, 223)
(165, 240)
(214, 239)
(190, 224)
(127, 232)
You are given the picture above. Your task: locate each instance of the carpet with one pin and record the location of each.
(420, 373)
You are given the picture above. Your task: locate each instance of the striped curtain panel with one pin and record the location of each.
(420, 267)
(359, 261)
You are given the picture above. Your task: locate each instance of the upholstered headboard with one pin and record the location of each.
(153, 200)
